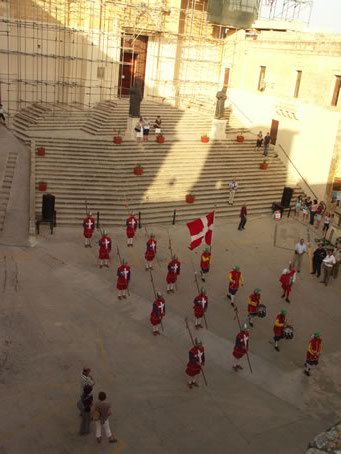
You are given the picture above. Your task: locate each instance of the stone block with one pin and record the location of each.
(218, 129)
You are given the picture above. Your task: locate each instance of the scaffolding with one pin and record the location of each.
(286, 10)
(71, 51)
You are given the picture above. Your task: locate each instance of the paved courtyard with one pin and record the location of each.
(59, 311)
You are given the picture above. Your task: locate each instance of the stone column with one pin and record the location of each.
(218, 129)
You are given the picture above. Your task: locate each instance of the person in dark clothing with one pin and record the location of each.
(243, 217)
(85, 407)
(266, 144)
(318, 256)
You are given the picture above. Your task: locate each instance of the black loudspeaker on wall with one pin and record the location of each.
(48, 206)
(286, 196)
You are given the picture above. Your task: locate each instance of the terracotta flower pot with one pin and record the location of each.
(41, 151)
(42, 186)
(190, 198)
(263, 165)
(138, 170)
(240, 138)
(205, 139)
(117, 140)
(160, 139)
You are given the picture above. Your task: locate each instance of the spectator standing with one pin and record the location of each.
(319, 212)
(157, 125)
(85, 405)
(326, 223)
(86, 378)
(298, 206)
(267, 140)
(328, 264)
(233, 186)
(318, 257)
(139, 129)
(101, 413)
(300, 250)
(259, 141)
(337, 255)
(146, 128)
(2, 114)
(306, 208)
(313, 211)
(243, 217)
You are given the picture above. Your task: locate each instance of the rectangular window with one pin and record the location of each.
(336, 91)
(298, 82)
(261, 80)
(100, 72)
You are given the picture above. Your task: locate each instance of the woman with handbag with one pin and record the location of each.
(100, 414)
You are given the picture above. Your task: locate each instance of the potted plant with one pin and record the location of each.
(42, 186)
(138, 169)
(118, 138)
(160, 138)
(205, 138)
(240, 137)
(190, 198)
(263, 165)
(41, 151)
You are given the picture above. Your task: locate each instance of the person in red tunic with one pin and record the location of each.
(123, 278)
(280, 324)
(235, 280)
(195, 363)
(150, 252)
(89, 227)
(131, 224)
(173, 273)
(287, 279)
(104, 250)
(205, 261)
(200, 307)
(253, 302)
(158, 312)
(313, 352)
(241, 347)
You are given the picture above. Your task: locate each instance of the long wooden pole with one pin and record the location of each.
(196, 280)
(240, 327)
(190, 335)
(119, 256)
(153, 285)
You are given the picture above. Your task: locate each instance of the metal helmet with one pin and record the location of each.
(152, 235)
(197, 342)
(236, 267)
(245, 326)
(90, 214)
(124, 262)
(158, 294)
(174, 257)
(203, 290)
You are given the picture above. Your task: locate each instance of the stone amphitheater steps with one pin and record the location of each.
(6, 185)
(100, 172)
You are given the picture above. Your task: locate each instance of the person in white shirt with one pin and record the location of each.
(300, 250)
(233, 186)
(328, 264)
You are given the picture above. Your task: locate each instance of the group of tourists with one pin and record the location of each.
(143, 128)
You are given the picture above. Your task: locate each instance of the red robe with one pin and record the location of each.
(173, 271)
(254, 302)
(158, 311)
(196, 360)
(314, 350)
(205, 262)
(279, 325)
(200, 305)
(104, 247)
(235, 279)
(89, 227)
(242, 344)
(151, 250)
(123, 277)
(287, 280)
(131, 226)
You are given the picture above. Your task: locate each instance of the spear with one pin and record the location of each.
(153, 285)
(240, 327)
(190, 335)
(86, 207)
(171, 254)
(196, 281)
(119, 256)
(147, 235)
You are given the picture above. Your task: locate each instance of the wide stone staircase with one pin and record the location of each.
(100, 172)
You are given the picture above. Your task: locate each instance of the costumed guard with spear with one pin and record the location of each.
(173, 268)
(150, 251)
(123, 277)
(196, 360)
(131, 225)
(104, 250)
(158, 309)
(241, 346)
(200, 304)
(88, 226)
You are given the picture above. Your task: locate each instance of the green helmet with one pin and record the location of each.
(236, 267)
(284, 312)
(317, 334)
(257, 290)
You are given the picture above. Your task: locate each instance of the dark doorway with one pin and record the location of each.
(226, 77)
(274, 131)
(132, 63)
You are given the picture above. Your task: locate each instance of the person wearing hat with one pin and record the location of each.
(280, 324)
(253, 302)
(200, 305)
(104, 250)
(318, 256)
(313, 352)
(88, 229)
(205, 263)
(158, 312)
(241, 347)
(235, 280)
(123, 278)
(150, 252)
(174, 267)
(131, 224)
(328, 264)
(195, 363)
(287, 279)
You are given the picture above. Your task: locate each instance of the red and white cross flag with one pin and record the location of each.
(201, 230)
